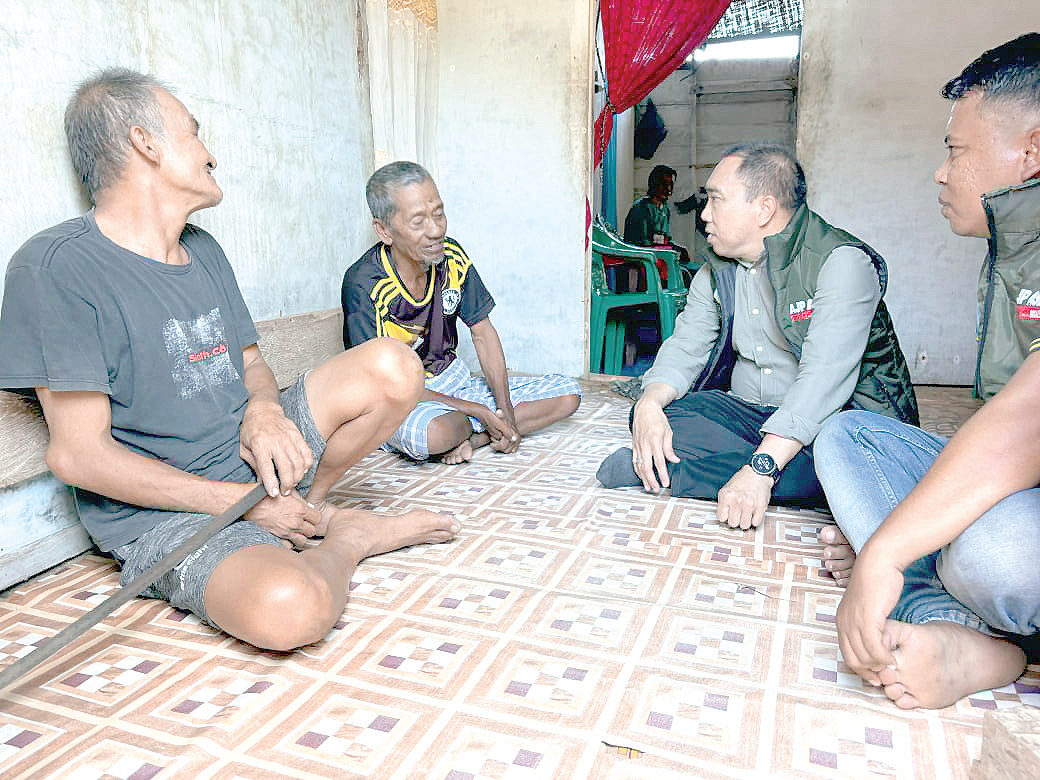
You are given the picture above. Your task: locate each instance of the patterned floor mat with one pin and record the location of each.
(569, 632)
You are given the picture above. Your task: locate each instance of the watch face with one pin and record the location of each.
(763, 464)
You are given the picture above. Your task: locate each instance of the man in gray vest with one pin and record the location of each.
(945, 586)
(784, 326)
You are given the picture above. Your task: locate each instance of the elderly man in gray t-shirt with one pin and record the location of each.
(784, 326)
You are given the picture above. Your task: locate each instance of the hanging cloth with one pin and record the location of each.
(650, 131)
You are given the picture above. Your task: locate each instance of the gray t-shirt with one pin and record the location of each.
(164, 342)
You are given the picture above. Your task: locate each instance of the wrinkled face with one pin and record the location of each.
(186, 163)
(732, 224)
(983, 155)
(415, 232)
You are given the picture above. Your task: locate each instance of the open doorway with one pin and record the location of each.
(740, 85)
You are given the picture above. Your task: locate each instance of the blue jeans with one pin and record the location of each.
(985, 579)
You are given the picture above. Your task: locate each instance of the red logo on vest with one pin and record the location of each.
(801, 311)
(1031, 313)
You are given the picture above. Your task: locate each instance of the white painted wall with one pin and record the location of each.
(275, 87)
(514, 156)
(707, 110)
(871, 124)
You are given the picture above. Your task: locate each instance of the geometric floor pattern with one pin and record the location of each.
(569, 632)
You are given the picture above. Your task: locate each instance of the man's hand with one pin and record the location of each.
(744, 499)
(651, 444)
(869, 599)
(288, 517)
(503, 431)
(274, 447)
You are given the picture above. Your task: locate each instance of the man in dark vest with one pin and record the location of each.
(784, 326)
(945, 586)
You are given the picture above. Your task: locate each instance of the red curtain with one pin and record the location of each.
(644, 41)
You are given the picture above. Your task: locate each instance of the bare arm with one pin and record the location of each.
(469, 408)
(82, 453)
(493, 363)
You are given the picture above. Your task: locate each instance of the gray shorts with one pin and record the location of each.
(185, 586)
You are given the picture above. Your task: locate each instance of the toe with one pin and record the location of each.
(832, 536)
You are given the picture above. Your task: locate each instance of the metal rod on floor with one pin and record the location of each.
(21, 667)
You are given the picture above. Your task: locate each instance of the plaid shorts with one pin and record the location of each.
(185, 585)
(455, 380)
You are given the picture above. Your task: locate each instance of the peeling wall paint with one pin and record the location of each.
(276, 90)
(871, 125)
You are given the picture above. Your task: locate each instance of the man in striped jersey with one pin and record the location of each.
(413, 286)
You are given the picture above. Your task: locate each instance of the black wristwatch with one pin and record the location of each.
(763, 464)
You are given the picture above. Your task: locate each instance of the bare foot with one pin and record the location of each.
(838, 556)
(465, 451)
(460, 454)
(370, 533)
(939, 663)
(327, 510)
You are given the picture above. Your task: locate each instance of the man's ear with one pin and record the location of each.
(145, 143)
(767, 207)
(383, 232)
(1031, 162)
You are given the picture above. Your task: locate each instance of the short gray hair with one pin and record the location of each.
(382, 187)
(98, 120)
(770, 169)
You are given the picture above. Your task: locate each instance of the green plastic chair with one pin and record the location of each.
(606, 334)
(671, 297)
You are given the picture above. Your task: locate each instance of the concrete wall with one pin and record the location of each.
(292, 161)
(514, 155)
(707, 110)
(870, 134)
(276, 87)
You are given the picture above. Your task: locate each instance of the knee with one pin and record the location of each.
(396, 368)
(837, 432)
(1007, 599)
(445, 432)
(291, 607)
(832, 444)
(991, 566)
(569, 404)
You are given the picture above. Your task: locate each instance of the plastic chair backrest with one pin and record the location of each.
(599, 276)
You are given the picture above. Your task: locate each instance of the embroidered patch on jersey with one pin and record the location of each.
(199, 353)
(450, 299)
